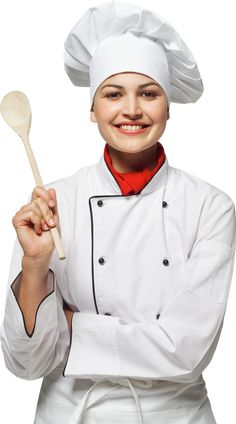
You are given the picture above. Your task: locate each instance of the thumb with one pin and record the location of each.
(54, 208)
(53, 195)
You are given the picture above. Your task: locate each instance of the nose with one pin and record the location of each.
(131, 107)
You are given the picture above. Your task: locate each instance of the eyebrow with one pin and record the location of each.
(121, 86)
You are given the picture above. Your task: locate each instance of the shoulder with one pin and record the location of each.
(212, 210)
(68, 188)
(198, 188)
(69, 184)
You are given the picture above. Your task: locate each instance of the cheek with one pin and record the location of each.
(159, 114)
(107, 114)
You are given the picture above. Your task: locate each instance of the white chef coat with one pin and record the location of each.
(148, 278)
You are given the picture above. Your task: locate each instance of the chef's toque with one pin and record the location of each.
(116, 37)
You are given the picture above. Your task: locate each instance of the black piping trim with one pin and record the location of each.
(92, 257)
(145, 184)
(92, 240)
(30, 335)
(92, 243)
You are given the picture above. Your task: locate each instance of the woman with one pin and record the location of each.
(122, 329)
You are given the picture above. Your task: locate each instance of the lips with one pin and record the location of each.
(132, 124)
(133, 129)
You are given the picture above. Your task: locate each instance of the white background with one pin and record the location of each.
(199, 138)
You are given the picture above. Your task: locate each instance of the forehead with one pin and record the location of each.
(127, 78)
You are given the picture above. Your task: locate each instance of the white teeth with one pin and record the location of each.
(131, 127)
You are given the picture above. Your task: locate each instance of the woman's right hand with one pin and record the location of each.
(33, 222)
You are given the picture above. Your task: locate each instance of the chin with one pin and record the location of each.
(131, 148)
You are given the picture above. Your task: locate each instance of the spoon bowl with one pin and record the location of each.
(15, 110)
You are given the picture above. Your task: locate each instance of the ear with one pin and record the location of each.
(168, 113)
(93, 116)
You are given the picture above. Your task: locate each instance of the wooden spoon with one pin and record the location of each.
(15, 110)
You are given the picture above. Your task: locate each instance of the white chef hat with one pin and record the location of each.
(116, 37)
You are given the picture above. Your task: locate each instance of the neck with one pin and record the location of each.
(131, 162)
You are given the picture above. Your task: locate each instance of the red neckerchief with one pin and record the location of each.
(134, 182)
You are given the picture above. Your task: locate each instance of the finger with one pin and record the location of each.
(40, 207)
(55, 208)
(43, 193)
(53, 201)
(32, 206)
(28, 212)
(27, 218)
(38, 229)
(48, 195)
(47, 213)
(44, 225)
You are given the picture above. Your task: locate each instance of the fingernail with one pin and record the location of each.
(51, 221)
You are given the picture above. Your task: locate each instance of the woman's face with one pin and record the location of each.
(131, 111)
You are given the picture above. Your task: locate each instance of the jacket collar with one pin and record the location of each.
(158, 180)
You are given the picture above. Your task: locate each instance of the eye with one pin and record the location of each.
(113, 95)
(149, 94)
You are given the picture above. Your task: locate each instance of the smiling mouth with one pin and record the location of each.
(131, 129)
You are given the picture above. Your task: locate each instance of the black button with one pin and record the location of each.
(165, 262)
(107, 313)
(100, 203)
(164, 204)
(101, 261)
(158, 316)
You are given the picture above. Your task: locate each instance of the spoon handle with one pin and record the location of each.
(33, 164)
(54, 231)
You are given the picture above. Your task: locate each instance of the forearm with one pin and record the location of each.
(34, 286)
(32, 289)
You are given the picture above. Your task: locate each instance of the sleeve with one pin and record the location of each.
(179, 345)
(33, 356)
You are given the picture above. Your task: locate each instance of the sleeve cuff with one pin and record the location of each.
(50, 283)
(14, 317)
(87, 341)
